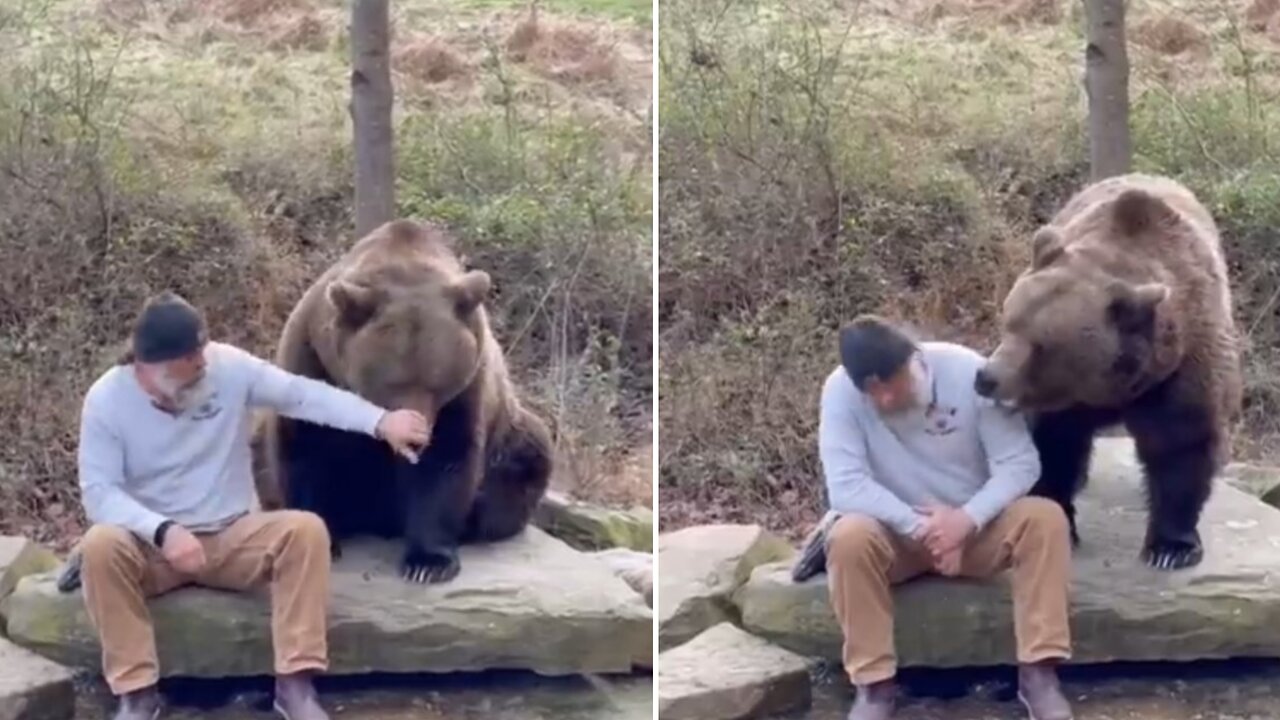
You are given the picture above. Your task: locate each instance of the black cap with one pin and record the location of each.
(872, 347)
(168, 328)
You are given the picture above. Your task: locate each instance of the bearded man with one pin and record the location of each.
(924, 476)
(165, 476)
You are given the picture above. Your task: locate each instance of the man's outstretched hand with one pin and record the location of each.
(405, 431)
(944, 529)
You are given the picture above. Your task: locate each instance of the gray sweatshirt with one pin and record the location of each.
(961, 450)
(140, 466)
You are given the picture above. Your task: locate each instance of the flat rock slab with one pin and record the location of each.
(700, 568)
(1228, 606)
(33, 688)
(20, 557)
(590, 527)
(1260, 481)
(635, 568)
(725, 674)
(528, 603)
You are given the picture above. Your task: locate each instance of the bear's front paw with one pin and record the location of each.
(1173, 554)
(435, 565)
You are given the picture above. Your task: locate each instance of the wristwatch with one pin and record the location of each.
(160, 531)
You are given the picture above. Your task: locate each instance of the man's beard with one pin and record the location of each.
(921, 384)
(181, 399)
(921, 394)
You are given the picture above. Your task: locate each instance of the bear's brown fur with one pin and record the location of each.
(1125, 317)
(399, 321)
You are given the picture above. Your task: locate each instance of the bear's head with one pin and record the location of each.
(414, 345)
(1073, 331)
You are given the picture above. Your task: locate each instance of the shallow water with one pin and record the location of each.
(1234, 690)
(470, 696)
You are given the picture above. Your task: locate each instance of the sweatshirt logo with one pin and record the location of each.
(208, 409)
(939, 420)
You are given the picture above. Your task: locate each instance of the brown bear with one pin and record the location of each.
(399, 321)
(1124, 316)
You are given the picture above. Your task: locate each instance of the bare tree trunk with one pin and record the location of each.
(371, 99)
(1107, 85)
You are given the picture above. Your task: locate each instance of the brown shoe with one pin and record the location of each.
(296, 698)
(1039, 691)
(141, 704)
(875, 701)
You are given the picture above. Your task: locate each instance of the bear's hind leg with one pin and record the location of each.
(1178, 484)
(516, 477)
(1178, 451)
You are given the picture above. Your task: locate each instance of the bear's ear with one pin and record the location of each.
(1135, 211)
(1133, 308)
(1046, 247)
(355, 303)
(470, 290)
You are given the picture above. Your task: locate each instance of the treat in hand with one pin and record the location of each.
(405, 431)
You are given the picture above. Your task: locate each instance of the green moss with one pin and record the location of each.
(590, 527)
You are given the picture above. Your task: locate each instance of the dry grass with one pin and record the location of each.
(1170, 35)
(572, 61)
(591, 70)
(565, 51)
(250, 13)
(279, 25)
(1260, 12)
(621, 479)
(306, 31)
(1009, 12)
(430, 59)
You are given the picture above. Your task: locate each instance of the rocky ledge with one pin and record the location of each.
(1228, 606)
(700, 567)
(591, 527)
(33, 688)
(20, 557)
(529, 603)
(727, 674)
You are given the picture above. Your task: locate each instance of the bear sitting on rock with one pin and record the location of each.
(399, 321)
(1125, 316)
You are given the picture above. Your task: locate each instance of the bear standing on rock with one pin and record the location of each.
(1125, 317)
(399, 321)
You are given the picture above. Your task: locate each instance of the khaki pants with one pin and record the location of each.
(289, 550)
(864, 559)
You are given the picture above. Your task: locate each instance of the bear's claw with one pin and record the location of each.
(1173, 559)
(1169, 550)
(430, 566)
